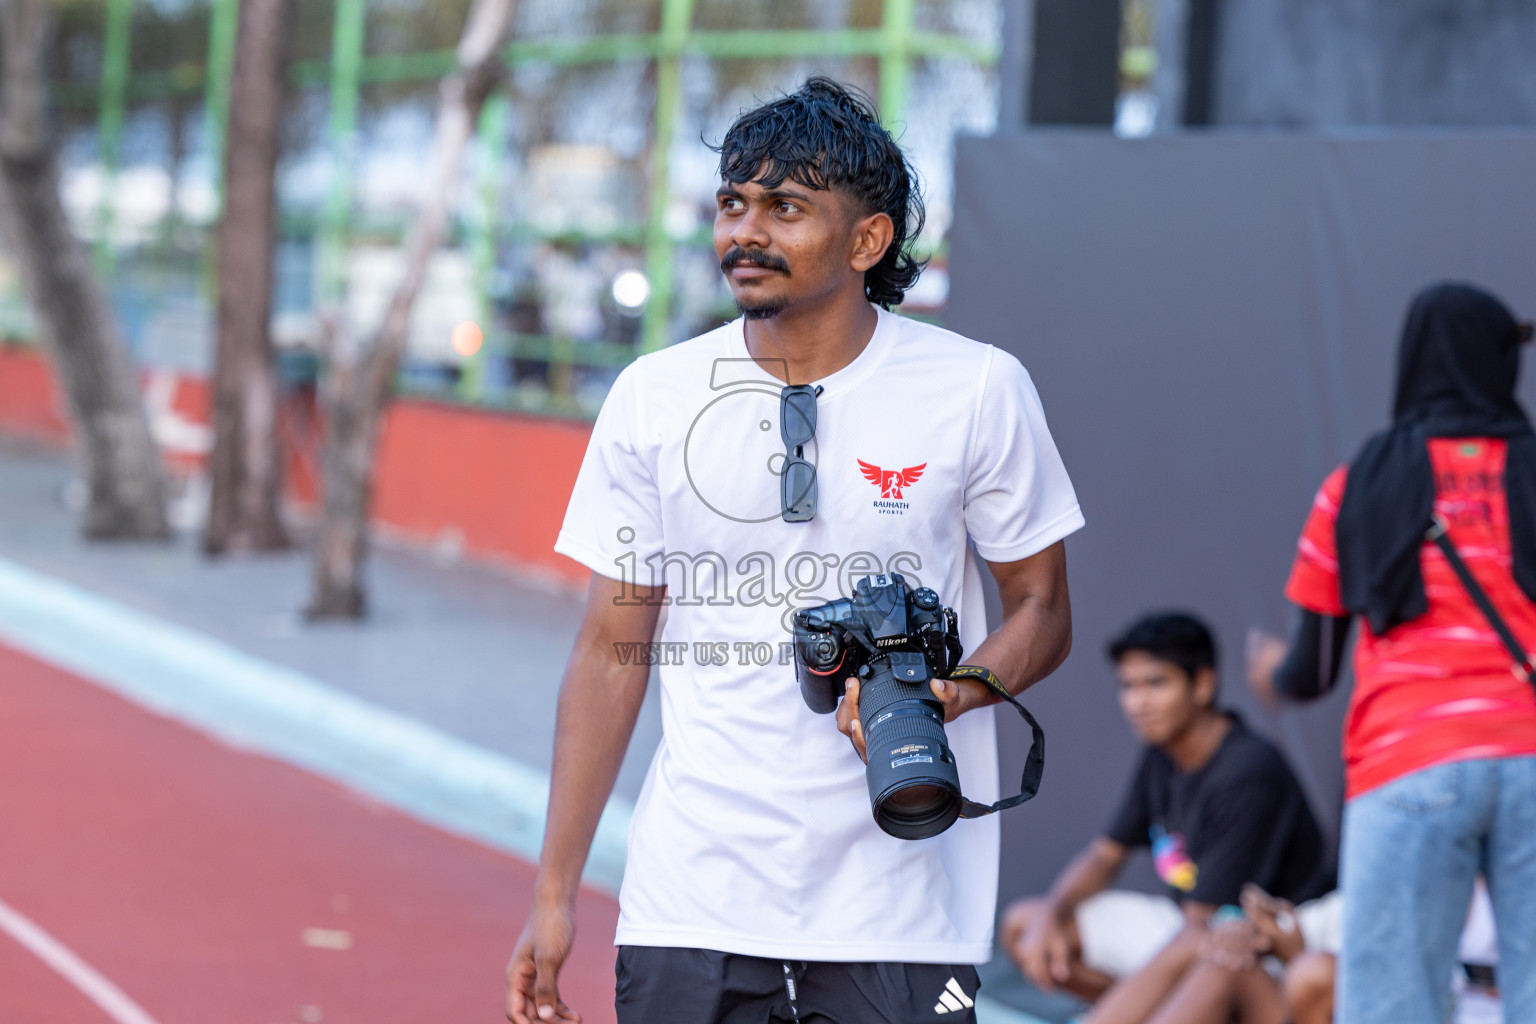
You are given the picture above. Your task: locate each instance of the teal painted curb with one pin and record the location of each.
(255, 705)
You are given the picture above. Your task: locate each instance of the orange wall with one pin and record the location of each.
(501, 479)
(30, 403)
(498, 481)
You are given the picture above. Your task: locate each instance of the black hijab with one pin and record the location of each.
(1456, 372)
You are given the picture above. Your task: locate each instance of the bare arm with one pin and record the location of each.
(1088, 874)
(1035, 635)
(1197, 914)
(1041, 935)
(600, 700)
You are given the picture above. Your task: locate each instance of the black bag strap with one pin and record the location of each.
(1523, 667)
(1034, 763)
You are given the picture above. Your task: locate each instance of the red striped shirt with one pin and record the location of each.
(1439, 688)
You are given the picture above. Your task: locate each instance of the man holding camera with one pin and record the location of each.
(758, 885)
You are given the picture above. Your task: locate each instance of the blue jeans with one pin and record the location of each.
(1412, 850)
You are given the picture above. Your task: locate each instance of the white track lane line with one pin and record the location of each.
(114, 1002)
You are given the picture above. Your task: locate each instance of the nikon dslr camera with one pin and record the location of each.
(895, 640)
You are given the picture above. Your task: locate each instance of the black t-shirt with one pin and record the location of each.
(1241, 818)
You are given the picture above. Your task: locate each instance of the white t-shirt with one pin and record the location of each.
(753, 832)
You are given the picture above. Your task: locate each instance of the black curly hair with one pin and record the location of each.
(826, 135)
(1176, 637)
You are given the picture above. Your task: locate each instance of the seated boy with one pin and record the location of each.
(1218, 977)
(1216, 803)
(1275, 963)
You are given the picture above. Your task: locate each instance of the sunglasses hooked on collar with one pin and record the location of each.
(797, 427)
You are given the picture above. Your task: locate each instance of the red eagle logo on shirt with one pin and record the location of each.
(891, 481)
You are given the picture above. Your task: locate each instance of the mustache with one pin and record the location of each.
(738, 257)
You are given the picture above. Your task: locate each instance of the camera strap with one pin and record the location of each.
(1523, 667)
(1034, 763)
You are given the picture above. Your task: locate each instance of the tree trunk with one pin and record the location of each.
(121, 464)
(360, 377)
(246, 466)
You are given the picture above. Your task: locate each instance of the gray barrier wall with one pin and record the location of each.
(1320, 63)
(1211, 322)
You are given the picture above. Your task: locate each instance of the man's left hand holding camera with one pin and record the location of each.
(1033, 640)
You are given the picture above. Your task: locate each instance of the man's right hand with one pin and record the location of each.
(532, 996)
(600, 699)
(1042, 947)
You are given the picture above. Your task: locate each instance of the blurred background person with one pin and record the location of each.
(1440, 741)
(1217, 804)
(1266, 963)
(1276, 962)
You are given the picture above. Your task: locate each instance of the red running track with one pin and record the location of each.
(188, 873)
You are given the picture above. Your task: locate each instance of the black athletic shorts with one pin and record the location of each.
(663, 985)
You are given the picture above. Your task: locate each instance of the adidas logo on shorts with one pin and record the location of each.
(952, 998)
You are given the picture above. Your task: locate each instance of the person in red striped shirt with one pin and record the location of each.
(1440, 738)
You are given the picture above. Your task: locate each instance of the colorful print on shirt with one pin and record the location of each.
(1171, 860)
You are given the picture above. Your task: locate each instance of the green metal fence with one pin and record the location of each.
(362, 70)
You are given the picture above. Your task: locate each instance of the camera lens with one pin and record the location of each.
(895, 640)
(914, 787)
(916, 800)
(918, 810)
